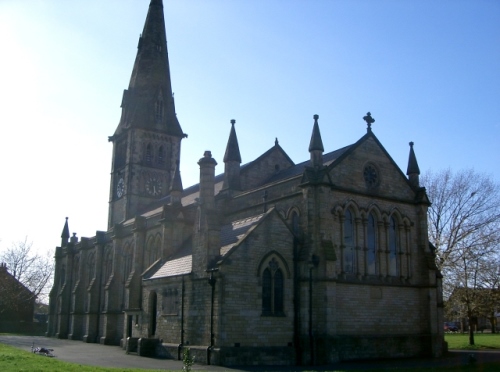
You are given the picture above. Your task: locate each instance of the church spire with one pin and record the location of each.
(176, 187)
(413, 171)
(316, 145)
(65, 234)
(148, 102)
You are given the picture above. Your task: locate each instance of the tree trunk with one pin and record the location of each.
(471, 331)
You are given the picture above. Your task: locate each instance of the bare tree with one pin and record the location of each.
(464, 222)
(33, 270)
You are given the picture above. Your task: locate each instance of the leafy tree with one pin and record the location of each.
(33, 270)
(464, 226)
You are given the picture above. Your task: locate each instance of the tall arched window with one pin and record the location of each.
(393, 247)
(108, 263)
(161, 155)
(149, 153)
(156, 249)
(273, 290)
(91, 266)
(371, 245)
(76, 268)
(127, 261)
(149, 254)
(349, 242)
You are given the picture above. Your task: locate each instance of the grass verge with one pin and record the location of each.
(482, 341)
(13, 359)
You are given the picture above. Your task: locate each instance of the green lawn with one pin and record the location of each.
(482, 341)
(13, 359)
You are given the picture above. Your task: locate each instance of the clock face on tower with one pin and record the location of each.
(153, 186)
(120, 188)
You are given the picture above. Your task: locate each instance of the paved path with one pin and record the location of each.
(113, 356)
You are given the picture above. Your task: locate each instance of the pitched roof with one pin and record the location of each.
(231, 235)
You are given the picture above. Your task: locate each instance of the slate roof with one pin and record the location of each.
(230, 236)
(298, 169)
(234, 233)
(190, 194)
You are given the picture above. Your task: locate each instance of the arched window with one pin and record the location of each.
(393, 248)
(127, 261)
(108, 263)
(63, 275)
(76, 267)
(153, 249)
(149, 153)
(161, 155)
(371, 245)
(149, 252)
(273, 290)
(156, 250)
(91, 266)
(349, 241)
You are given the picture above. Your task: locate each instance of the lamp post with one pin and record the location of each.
(313, 263)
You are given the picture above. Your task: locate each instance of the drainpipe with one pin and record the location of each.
(211, 281)
(179, 349)
(100, 249)
(296, 304)
(312, 264)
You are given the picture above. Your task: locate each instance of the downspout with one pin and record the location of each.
(211, 281)
(312, 264)
(69, 276)
(179, 349)
(97, 340)
(296, 304)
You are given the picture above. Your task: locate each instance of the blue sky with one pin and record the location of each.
(429, 71)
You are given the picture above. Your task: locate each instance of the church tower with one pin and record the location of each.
(147, 141)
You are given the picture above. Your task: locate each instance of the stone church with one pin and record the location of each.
(268, 262)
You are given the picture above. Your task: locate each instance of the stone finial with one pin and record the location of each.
(413, 171)
(369, 121)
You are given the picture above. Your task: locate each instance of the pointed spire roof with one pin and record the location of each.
(176, 181)
(232, 148)
(65, 233)
(412, 162)
(148, 102)
(316, 141)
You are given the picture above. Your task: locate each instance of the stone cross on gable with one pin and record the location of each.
(369, 121)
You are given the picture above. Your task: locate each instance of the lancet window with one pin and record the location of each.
(371, 246)
(393, 248)
(349, 242)
(272, 289)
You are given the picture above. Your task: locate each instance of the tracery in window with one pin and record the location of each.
(371, 245)
(272, 290)
(349, 242)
